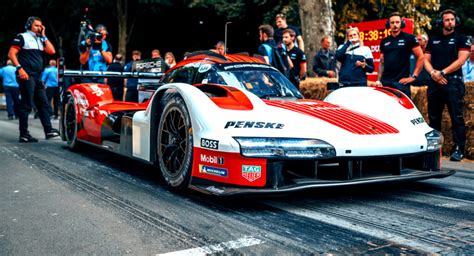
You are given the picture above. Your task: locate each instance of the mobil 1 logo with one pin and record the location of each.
(207, 143)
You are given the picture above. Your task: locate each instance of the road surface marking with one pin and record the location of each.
(235, 244)
(357, 227)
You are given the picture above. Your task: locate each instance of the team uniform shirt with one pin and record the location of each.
(8, 73)
(95, 62)
(50, 77)
(396, 54)
(468, 71)
(30, 55)
(348, 55)
(297, 56)
(131, 82)
(278, 36)
(444, 50)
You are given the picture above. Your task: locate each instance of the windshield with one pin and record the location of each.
(265, 83)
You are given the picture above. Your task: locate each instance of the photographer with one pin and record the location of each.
(96, 52)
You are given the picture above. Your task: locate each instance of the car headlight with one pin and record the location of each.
(285, 148)
(434, 140)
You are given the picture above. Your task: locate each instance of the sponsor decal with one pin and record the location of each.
(222, 172)
(204, 68)
(387, 43)
(245, 65)
(253, 124)
(212, 159)
(436, 41)
(418, 120)
(207, 143)
(147, 65)
(251, 172)
(97, 91)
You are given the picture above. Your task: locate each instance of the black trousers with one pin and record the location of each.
(53, 94)
(451, 95)
(132, 94)
(117, 93)
(33, 92)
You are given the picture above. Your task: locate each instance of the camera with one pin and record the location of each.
(93, 36)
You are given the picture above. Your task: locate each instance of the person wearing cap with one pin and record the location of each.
(96, 55)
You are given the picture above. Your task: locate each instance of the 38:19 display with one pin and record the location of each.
(373, 35)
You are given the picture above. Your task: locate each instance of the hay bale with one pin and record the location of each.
(315, 88)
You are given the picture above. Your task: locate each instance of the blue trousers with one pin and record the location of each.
(12, 95)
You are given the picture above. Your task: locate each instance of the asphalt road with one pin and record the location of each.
(57, 202)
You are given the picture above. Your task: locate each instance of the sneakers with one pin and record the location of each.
(457, 155)
(51, 134)
(27, 138)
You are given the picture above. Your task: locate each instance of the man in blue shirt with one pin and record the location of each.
(96, 55)
(12, 91)
(132, 83)
(468, 67)
(50, 80)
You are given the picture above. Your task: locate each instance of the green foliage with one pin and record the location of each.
(350, 11)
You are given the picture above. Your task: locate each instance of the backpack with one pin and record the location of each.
(278, 59)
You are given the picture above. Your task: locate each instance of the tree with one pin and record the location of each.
(317, 21)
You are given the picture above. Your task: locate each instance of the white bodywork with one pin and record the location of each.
(209, 120)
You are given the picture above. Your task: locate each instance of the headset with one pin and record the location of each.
(29, 22)
(439, 20)
(402, 24)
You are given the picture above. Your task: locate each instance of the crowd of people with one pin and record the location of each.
(443, 62)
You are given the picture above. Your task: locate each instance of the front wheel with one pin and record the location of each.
(175, 143)
(70, 123)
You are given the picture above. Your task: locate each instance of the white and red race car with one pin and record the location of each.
(231, 124)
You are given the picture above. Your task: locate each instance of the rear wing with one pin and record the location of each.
(63, 72)
(143, 76)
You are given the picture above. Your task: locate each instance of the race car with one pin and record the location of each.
(228, 125)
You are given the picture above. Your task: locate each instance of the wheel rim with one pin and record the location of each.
(173, 141)
(70, 122)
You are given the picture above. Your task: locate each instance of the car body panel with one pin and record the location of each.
(372, 130)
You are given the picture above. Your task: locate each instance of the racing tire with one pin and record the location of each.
(175, 143)
(70, 123)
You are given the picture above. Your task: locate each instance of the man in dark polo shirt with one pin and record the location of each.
(445, 55)
(26, 53)
(297, 56)
(280, 21)
(395, 51)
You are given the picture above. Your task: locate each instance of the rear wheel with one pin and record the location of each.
(70, 123)
(175, 143)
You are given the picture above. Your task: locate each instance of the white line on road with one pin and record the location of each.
(235, 244)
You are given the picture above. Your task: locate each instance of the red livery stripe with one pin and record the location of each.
(348, 120)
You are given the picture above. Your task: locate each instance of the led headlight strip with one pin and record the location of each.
(285, 148)
(434, 140)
